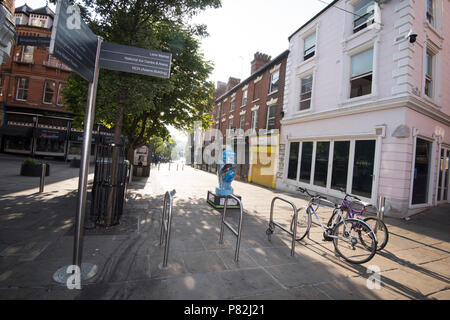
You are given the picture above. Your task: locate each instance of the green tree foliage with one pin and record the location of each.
(148, 104)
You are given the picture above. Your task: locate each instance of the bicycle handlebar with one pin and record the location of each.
(303, 190)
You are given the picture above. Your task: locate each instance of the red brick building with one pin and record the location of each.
(252, 109)
(34, 119)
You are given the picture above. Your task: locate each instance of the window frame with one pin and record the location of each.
(350, 165)
(313, 53)
(46, 82)
(272, 83)
(269, 118)
(24, 90)
(310, 75)
(244, 98)
(362, 75)
(367, 22)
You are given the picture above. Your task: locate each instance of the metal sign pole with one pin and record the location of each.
(84, 166)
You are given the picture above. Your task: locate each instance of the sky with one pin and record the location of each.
(240, 28)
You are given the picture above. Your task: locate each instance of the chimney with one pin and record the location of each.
(221, 88)
(259, 61)
(232, 82)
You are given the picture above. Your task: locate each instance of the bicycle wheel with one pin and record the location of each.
(354, 240)
(303, 224)
(380, 230)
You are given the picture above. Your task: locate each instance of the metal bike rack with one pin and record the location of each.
(224, 223)
(272, 223)
(381, 207)
(166, 224)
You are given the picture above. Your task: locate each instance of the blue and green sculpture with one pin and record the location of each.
(226, 174)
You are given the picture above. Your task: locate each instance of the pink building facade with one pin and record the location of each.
(367, 104)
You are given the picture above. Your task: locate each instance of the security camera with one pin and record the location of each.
(412, 36)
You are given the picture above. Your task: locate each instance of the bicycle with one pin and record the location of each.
(353, 239)
(378, 226)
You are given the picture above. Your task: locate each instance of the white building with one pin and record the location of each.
(366, 105)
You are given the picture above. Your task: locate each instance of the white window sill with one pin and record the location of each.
(310, 60)
(364, 98)
(433, 29)
(271, 93)
(431, 101)
(359, 33)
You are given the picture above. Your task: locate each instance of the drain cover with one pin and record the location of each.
(88, 271)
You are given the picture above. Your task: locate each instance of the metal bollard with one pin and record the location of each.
(42, 181)
(381, 207)
(159, 166)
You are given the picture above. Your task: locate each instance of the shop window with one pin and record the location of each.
(339, 174)
(306, 162)
(364, 162)
(293, 160)
(321, 163)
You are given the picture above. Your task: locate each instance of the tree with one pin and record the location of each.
(140, 106)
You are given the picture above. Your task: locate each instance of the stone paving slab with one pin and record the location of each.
(129, 259)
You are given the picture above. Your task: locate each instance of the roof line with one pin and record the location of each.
(254, 75)
(313, 18)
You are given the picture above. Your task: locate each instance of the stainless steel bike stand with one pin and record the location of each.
(273, 224)
(224, 223)
(166, 225)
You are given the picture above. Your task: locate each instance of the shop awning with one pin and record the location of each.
(16, 131)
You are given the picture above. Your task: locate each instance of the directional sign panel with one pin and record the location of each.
(135, 60)
(72, 41)
(33, 41)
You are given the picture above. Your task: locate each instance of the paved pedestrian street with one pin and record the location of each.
(36, 239)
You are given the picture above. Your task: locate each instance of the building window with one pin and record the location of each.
(321, 164)
(364, 163)
(306, 92)
(59, 99)
(17, 20)
(430, 12)
(274, 77)
(27, 54)
(233, 102)
(293, 160)
(339, 174)
(361, 77)
(22, 89)
(309, 46)
(271, 114)
(306, 162)
(429, 74)
(254, 120)
(242, 122)
(364, 14)
(49, 91)
(244, 97)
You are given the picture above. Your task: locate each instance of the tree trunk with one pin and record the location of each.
(115, 162)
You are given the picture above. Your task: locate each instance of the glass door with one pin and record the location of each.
(421, 172)
(363, 168)
(442, 194)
